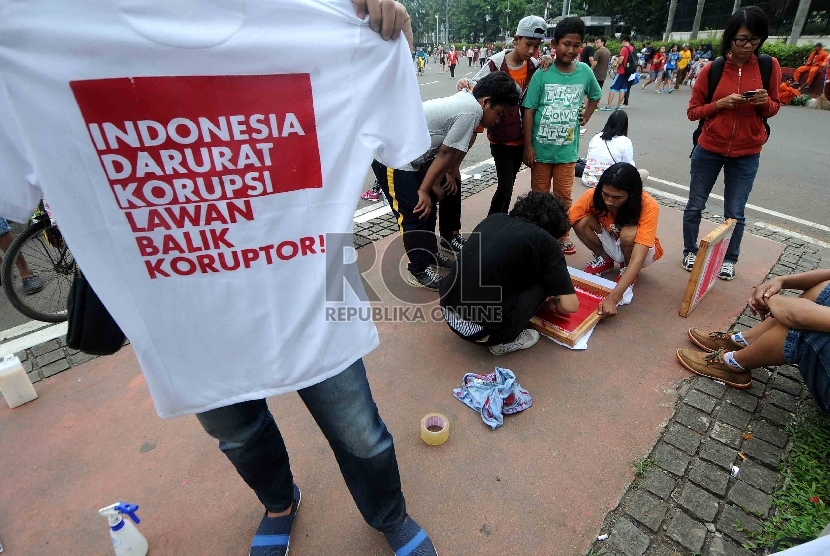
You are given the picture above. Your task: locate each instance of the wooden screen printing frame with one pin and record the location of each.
(571, 338)
(704, 273)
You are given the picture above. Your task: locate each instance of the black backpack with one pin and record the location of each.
(630, 61)
(715, 71)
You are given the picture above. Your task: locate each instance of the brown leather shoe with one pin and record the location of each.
(713, 366)
(713, 341)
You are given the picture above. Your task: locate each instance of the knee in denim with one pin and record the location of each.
(237, 433)
(368, 443)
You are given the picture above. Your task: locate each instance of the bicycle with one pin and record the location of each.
(44, 250)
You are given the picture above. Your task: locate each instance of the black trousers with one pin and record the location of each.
(401, 190)
(452, 70)
(627, 92)
(516, 315)
(508, 160)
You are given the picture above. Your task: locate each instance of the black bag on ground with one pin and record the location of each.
(91, 328)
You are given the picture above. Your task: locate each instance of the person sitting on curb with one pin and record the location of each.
(617, 221)
(509, 266)
(797, 331)
(814, 63)
(412, 190)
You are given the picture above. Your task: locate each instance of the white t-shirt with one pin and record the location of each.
(602, 154)
(451, 121)
(196, 157)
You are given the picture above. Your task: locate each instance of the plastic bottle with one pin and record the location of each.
(15, 385)
(126, 539)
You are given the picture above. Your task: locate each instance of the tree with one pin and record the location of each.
(800, 18)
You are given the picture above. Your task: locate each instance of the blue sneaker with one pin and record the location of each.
(410, 540)
(605, 109)
(274, 533)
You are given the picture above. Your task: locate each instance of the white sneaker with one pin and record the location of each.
(526, 339)
(727, 271)
(689, 261)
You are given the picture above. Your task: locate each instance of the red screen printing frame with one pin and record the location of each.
(568, 329)
(710, 256)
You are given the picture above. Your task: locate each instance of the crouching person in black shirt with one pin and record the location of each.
(508, 267)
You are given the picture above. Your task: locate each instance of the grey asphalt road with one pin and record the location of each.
(792, 180)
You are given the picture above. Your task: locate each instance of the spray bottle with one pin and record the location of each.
(126, 540)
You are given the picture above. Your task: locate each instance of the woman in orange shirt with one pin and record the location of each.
(617, 221)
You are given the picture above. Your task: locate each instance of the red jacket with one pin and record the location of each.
(738, 131)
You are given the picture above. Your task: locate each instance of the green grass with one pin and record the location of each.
(641, 465)
(803, 503)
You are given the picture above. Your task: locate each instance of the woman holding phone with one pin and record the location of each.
(733, 133)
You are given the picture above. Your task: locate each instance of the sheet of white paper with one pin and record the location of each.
(628, 296)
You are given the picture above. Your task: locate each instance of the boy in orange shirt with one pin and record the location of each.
(507, 137)
(617, 221)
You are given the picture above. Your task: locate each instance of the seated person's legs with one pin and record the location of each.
(770, 343)
(517, 317)
(588, 230)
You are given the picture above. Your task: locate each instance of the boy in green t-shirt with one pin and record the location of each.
(552, 102)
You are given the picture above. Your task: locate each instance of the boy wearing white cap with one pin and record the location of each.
(507, 137)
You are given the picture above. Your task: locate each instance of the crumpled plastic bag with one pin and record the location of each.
(493, 395)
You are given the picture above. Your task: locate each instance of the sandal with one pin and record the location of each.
(568, 248)
(273, 535)
(410, 540)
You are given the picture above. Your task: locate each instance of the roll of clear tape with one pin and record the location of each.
(435, 429)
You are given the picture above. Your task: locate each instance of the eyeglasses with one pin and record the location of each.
(754, 41)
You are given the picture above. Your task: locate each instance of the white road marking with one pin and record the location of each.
(36, 338)
(666, 195)
(22, 329)
(430, 83)
(796, 235)
(763, 210)
(487, 162)
(765, 225)
(465, 176)
(368, 208)
(372, 214)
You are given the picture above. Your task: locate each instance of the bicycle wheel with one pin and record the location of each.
(42, 249)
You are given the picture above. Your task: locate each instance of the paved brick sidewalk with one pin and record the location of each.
(688, 502)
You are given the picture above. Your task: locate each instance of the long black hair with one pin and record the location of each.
(616, 125)
(751, 17)
(625, 177)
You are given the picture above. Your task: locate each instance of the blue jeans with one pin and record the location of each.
(738, 176)
(347, 415)
(810, 350)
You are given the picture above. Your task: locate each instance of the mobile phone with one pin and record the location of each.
(749, 94)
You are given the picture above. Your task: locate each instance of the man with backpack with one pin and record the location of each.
(626, 63)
